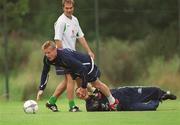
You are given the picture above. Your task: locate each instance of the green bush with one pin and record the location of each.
(162, 43)
(164, 73)
(120, 62)
(18, 52)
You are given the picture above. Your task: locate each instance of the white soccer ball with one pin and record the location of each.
(30, 107)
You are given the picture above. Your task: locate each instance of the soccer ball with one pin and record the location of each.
(30, 107)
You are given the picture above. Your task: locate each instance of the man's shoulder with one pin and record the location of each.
(65, 50)
(61, 51)
(75, 18)
(61, 19)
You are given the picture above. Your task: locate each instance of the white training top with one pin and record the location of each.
(67, 30)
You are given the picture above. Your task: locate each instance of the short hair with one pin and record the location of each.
(67, 1)
(48, 44)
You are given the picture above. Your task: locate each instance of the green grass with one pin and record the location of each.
(11, 113)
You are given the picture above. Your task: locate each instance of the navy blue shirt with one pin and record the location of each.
(128, 98)
(75, 63)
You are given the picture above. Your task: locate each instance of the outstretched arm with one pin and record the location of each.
(44, 79)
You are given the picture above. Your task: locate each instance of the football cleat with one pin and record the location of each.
(74, 109)
(113, 107)
(168, 95)
(52, 107)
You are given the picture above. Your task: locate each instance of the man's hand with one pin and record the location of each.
(91, 54)
(82, 93)
(39, 94)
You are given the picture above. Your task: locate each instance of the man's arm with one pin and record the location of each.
(58, 43)
(44, 78)
(82, 40)
(59, 28)
(85, 45)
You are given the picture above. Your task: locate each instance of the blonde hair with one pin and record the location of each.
(67, 1)
(48, 44)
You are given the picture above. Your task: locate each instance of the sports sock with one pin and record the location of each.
(52, 100)
(71, 103)
(111, 99)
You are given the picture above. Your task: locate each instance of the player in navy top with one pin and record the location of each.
(130, 99)
(77, 65)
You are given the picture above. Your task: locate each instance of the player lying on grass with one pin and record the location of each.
(130, 99)
(76, 65)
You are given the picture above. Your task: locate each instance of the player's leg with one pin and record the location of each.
(93, 78)
(51, 104)
(146, 94)
(105, 90)
(62, 86)
(139, 106)
(70, 94)
(60, 89)
(155, 93)
(102, 87)
(168, 95)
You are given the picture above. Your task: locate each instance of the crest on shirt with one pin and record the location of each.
(73, 34)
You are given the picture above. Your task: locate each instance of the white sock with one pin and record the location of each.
(111, 99)
(168, 92)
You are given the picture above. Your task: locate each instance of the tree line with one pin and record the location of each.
(124, 19)
(154, 22)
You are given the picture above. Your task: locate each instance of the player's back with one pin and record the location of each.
(83, 58)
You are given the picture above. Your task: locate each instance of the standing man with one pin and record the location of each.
(67, 31)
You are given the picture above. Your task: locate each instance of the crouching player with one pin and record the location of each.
(130, 99)
(77, 65)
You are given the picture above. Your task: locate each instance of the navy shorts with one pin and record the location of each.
(92, 76)
(61, 71)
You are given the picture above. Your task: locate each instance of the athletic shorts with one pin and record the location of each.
(92, 76)
(61, 71)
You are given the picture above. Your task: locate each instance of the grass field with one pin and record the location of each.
(11, 113)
